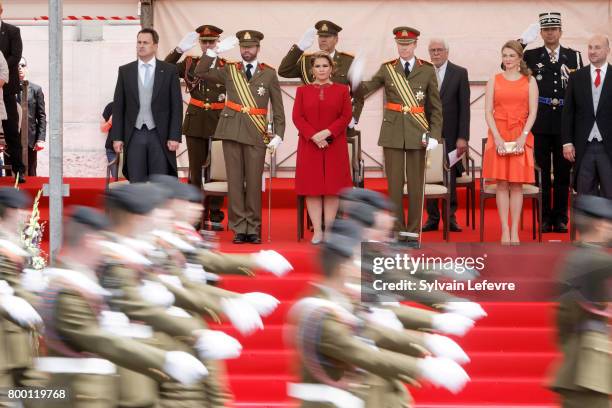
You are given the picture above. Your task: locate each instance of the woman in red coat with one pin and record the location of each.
(321, 113)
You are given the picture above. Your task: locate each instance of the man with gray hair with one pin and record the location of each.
(454, 88)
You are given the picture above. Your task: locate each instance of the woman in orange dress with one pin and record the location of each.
(511, 105)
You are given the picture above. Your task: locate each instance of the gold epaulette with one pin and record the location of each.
(263, 65)
(391, 61)
(421, 62)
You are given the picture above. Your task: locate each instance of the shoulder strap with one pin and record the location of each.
(247, 99)
(406, 93)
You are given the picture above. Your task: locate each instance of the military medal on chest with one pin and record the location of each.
(420, 95)
(261, 91)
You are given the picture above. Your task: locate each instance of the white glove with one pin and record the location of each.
(352, 123)
(216, 345)
(243, 316)
(5, 289)
(308, 38)
(530, 34)
(33, 280)
(156, 293)
(211, 53)
(471, 310)
(356, 71)
(272, 261)
(21, 311)
(184, 367)
(226, 44)
(262, 302)
(452, 323)
(188, 42)
(442, 346)
(274, 143)
(443, 373)
(385, 318)
(431, 144)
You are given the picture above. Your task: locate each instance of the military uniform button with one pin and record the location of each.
(556, 73)
(207, 90)
(555, 82)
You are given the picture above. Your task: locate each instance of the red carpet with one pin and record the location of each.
(511, 350)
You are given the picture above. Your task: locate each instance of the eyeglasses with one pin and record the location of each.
(436, 50)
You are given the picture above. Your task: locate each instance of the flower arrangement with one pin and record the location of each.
(32, 235)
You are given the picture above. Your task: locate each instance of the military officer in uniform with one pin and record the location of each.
(85, 340)
(296, 64)
(205, 103)
(412, 115)
(551, 65)
(584, 375)
(250, 86)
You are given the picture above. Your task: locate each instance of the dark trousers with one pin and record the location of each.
(145, 155)
(11, 134)
(595, 173)
(197, 150)
(32, 161)
(547, 146)
(244, 165)
(433, 213)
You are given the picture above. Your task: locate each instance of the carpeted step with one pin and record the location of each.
(520, 390)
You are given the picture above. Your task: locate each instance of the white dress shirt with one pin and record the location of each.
(141, 68)
(555, 52)
(595, 133)
(412, 63)
(440, 72)
(253, 68)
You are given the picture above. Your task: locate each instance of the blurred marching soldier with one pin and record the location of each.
(412, 116)
(296, 64)
(137, 292)
(205, 104)
(584, 376)
(342, 356)
(19, 322)
(250, 85)
(85, 339)
(551, 66)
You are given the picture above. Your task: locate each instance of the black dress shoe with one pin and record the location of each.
(454, 227)
(560, 227)
(254, 238)
(546, 227)
(430, 226)
(240, 238)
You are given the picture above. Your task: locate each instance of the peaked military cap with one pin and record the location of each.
(552, 19)
(360, 212)
(344, 237)
(137, 198)
(208, 32)
(326, 27)
(405, 35)
(248, 38)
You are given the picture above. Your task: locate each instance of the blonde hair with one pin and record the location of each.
(518, 48)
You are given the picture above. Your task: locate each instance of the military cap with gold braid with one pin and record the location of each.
(405, 35)
(248, 38)
(326, 27)
(208, 32)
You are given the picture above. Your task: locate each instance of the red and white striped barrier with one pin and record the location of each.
(93, 18)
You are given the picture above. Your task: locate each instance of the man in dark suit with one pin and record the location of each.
(147, 112)
(37, 118)
(11, 46)
(454, 89)
(551, 65)
(587, 122)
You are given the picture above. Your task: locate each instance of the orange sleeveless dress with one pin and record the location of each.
(510, 110)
